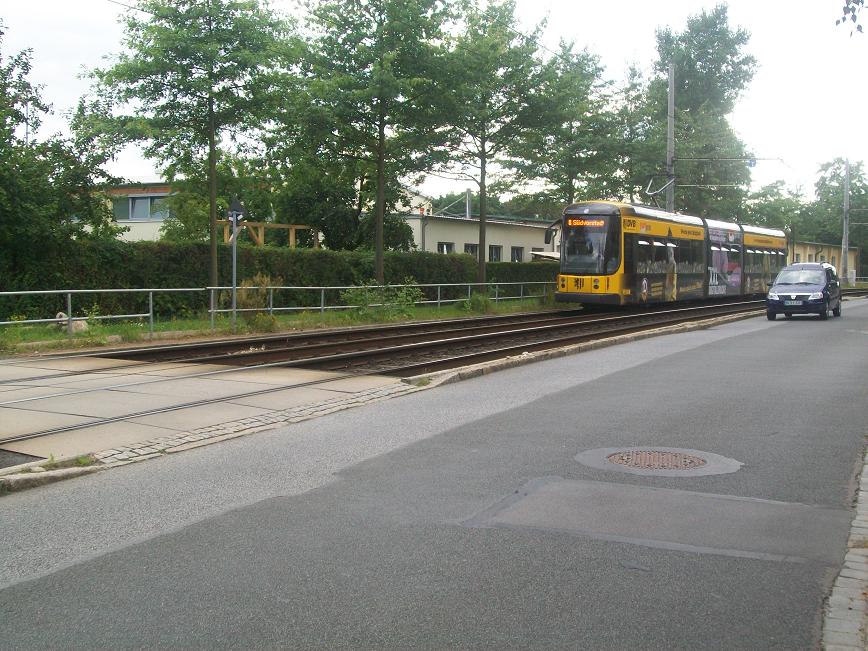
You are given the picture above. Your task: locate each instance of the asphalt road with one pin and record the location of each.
(460, 518)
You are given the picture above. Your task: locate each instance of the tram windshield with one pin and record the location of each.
(591, 244)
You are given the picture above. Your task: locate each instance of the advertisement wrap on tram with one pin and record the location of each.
(724, 259)
(663, 261)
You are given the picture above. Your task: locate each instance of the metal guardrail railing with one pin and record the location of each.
(493, 290)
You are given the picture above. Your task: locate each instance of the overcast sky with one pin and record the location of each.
(805, 104)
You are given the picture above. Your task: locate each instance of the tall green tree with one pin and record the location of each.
(375, 80)
(572, 150)
(825, 220)
(196, 72)
(638, 139)
(776, 206)
(50, 189)
(711, 71)
(497, 81)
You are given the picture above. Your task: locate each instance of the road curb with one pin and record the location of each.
(23, 480)
(845, 615)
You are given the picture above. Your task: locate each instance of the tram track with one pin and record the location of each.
(403, 357)
(254, 351)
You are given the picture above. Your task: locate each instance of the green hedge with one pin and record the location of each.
(161, 265)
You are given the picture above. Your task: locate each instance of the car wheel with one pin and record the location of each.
(770, 316)
(825, 313)
(837, 310)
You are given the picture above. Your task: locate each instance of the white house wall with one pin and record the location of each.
(141, 231)
(460, 232)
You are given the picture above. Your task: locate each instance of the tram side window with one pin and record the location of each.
(780, 261)
(647, 255)
(749, 261)
(644, 255)
(688, 256)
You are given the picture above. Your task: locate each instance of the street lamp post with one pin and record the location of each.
(235, 214)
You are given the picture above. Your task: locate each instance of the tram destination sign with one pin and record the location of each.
(586, 222)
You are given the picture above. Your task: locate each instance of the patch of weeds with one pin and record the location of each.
(422, 382)
(251, 299)
(385, 303)
(262, 322)
(133, 331)
(547, 299)
(93, 315)
(478, 303)
(80, 461)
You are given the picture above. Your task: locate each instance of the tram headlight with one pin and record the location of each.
(773, 296)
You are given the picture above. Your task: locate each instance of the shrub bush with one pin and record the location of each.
(114, 264)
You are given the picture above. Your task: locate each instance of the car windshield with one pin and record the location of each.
(800, 277)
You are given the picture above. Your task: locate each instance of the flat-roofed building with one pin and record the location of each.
(507, 239)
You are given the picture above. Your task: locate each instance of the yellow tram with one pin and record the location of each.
(621, 254)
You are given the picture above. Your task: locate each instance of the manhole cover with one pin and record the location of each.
(656, 460)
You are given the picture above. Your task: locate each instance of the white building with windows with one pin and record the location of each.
(141, 208)
(508, 239)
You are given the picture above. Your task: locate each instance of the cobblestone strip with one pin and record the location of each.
(845, 621)
(270, 420)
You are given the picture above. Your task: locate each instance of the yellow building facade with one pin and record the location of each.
(831, 253)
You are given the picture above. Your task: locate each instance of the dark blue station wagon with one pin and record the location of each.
(805, 288)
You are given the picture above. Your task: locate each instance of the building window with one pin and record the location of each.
(833, 260)
(159, 209)
(472, 249)
(121, 208)
(517, 254)
(445, 247)
(495, 253)
(536, 249)
(140, 208)
(810, 257)
(798, 257)
(822, 258)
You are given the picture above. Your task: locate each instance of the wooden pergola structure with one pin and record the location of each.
(256, 230)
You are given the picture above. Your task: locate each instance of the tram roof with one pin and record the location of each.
(758, 230)
(614, 207)
(647, 211)
(721, 225)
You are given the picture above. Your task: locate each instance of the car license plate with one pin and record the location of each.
(792, 302)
